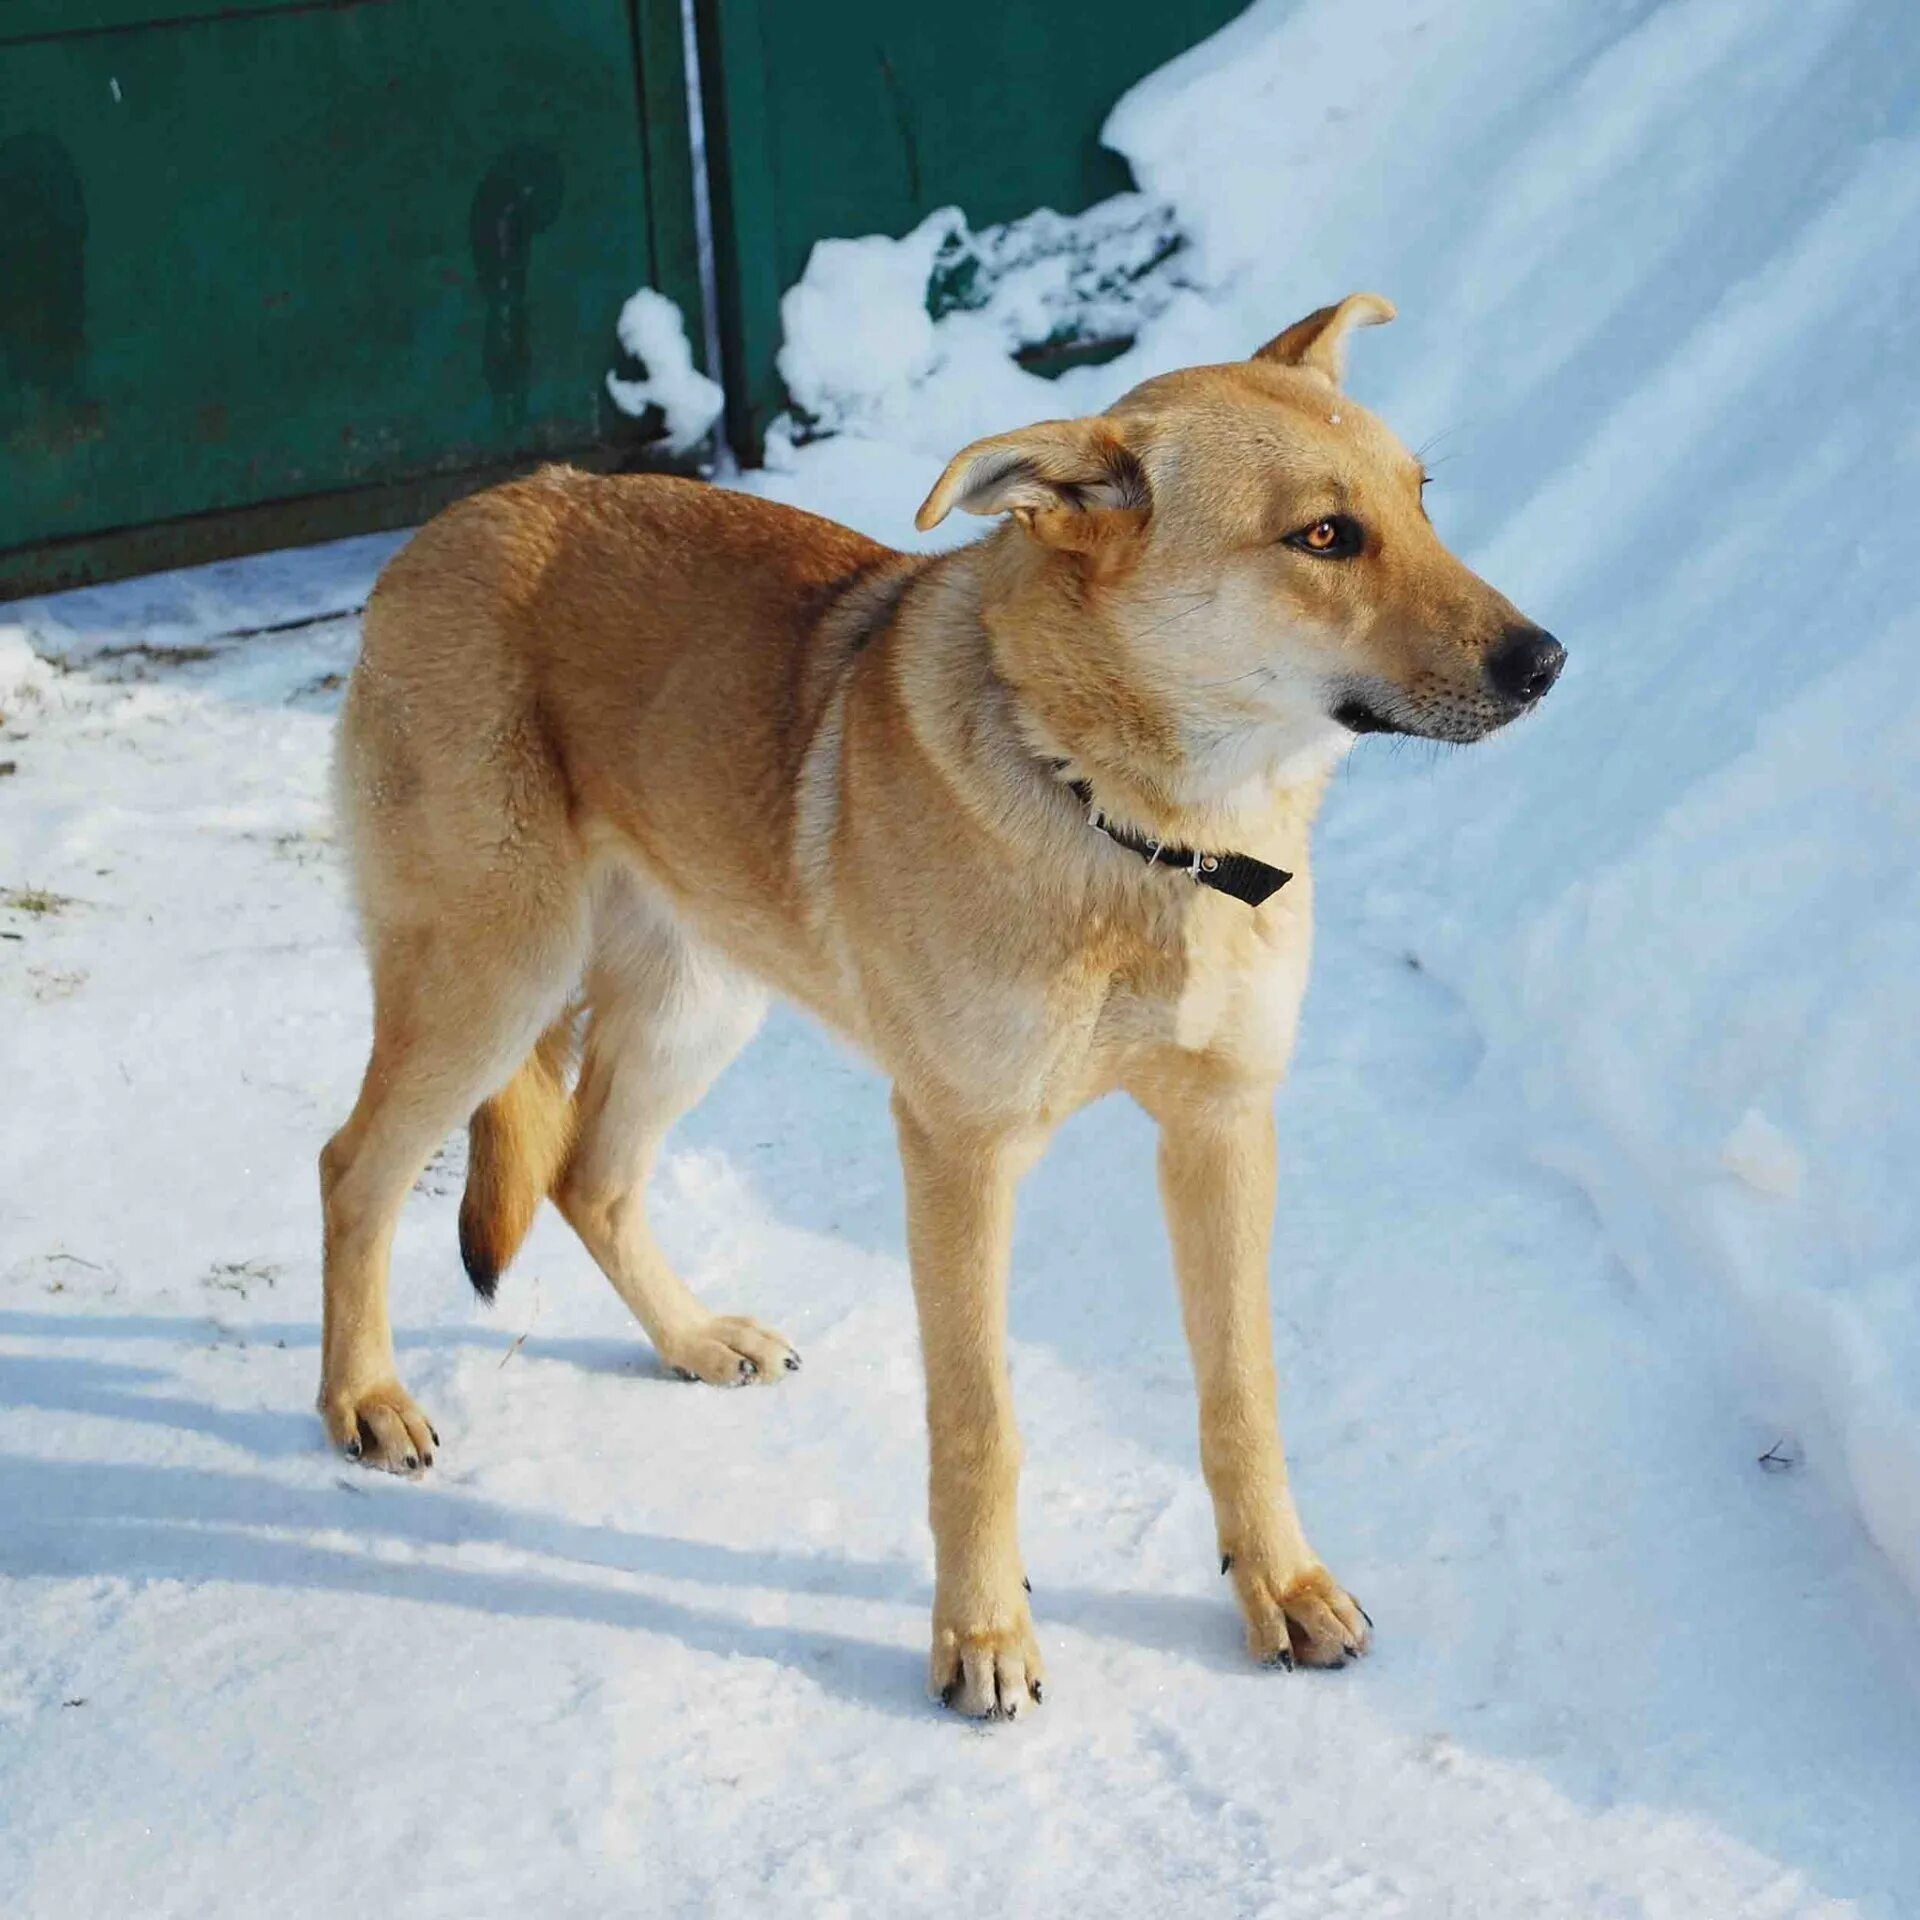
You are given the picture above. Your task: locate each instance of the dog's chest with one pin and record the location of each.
(1220, 986)
(1248, 1010)
(1039, 1041)
(1231, 991)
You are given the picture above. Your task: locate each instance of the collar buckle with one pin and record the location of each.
(1251, 881)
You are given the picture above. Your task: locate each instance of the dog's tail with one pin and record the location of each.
(517, 1148)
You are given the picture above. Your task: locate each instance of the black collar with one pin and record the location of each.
(1238, 874)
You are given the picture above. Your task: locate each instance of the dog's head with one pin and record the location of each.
(1241, 573)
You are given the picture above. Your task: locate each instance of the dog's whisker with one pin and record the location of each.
(1147, 633)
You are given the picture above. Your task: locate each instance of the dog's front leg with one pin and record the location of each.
(1217, 1180)
(960, 1188)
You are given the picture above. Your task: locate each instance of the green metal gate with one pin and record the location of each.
(274, 270)
(322, 256)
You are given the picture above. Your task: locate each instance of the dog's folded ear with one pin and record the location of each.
(1073, 484)
(1318, 344)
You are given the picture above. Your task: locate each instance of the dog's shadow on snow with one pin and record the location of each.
(148, 1522)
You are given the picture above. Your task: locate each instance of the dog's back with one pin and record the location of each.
(572, 652)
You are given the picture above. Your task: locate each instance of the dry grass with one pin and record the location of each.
(37, 900)
(241, 1276)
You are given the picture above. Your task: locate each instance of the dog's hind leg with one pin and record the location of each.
(453, 1018)
(666, 1015)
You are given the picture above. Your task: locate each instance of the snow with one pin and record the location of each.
(650, 328)
(24, 677)
(862, 348)
(1596, 1155)
(1761, 1155)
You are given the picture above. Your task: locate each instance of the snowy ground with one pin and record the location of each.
(640, 1647)
(1544, 1294)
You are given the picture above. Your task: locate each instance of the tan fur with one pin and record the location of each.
(517, 1145)
(622, 754)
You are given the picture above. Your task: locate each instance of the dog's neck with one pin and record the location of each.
(1221, 793)
(1230, 796)
(1174, 776)
(1017, 761)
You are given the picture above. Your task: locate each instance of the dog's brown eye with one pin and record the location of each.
(1334, 538)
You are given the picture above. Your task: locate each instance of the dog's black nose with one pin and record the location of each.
(1525, 664)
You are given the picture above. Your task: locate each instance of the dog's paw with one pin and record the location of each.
(380, 1427)
(730, 1350)
(988, 1672)
(1303, 1617)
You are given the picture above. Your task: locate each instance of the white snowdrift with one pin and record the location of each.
(1658, 268)
(25, 679)
(651, 328)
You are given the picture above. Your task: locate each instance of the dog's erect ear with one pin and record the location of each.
(1319, 342)
(1070, 483)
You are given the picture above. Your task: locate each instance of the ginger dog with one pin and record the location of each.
(1026, 821)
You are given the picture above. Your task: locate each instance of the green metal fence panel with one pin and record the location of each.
(849, 117)
(298, 252)
(274, 269)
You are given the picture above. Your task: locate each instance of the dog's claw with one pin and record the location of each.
(729, 1351)
(1038, 1690)
(354, 1448)
(1226, 1563)
(1283, 1660)
(948, 1691)
(1025, 1582)
(1364, 1615)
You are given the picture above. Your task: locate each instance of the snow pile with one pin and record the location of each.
(651, 329)
(1050, 282)
(873, 320)
(858, 334)
(1658, 268)
(1716, 1028)
(899, 351)
(25, 679)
